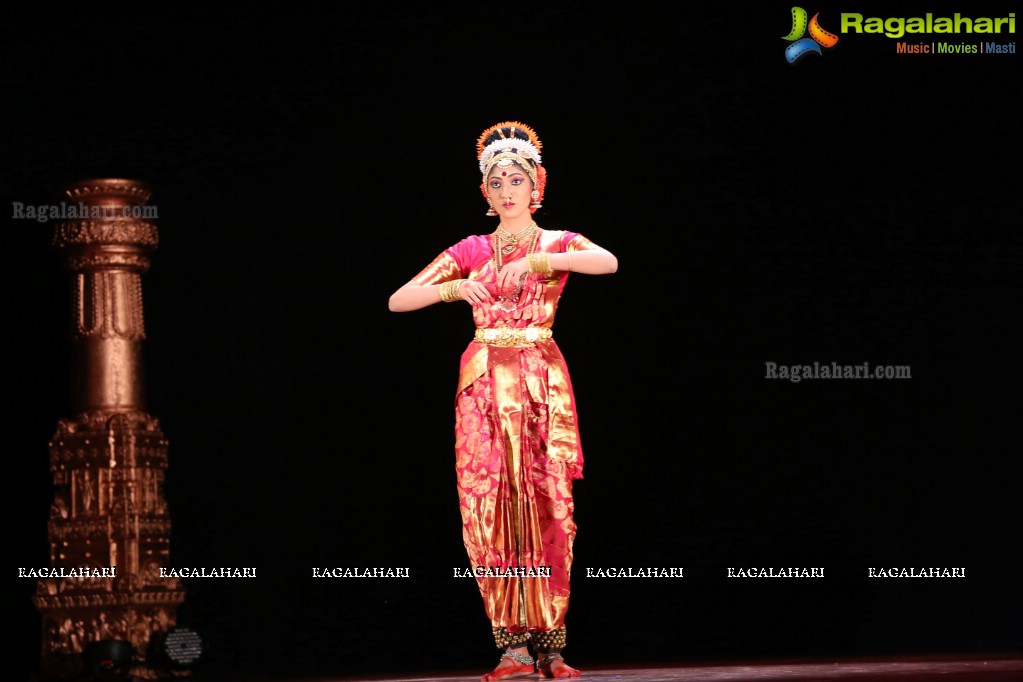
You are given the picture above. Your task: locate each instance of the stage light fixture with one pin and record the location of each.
(178, 649)
(109, 659)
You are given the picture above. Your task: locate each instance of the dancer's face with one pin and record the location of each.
(509, 189)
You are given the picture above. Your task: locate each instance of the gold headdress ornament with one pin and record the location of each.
(499, 145)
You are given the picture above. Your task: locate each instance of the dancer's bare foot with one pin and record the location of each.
(513, 664)
(552, 666)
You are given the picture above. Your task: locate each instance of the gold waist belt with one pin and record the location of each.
(508, 336)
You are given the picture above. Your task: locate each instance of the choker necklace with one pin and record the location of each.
(513, 239)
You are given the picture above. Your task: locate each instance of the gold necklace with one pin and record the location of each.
(508, 303)
(513, 239)
(505, 250)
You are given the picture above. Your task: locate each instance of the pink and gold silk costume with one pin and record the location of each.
(516, 438)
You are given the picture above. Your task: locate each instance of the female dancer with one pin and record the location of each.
(516, 435)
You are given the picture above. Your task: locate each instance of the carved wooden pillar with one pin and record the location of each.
(108, 460)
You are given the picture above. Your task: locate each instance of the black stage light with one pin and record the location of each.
(178, 649)
(109, 659)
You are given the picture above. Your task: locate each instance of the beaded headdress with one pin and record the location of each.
(512, 142)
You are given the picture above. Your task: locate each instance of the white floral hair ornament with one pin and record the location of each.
(524, 149)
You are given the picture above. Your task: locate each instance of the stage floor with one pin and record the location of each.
(981, 669)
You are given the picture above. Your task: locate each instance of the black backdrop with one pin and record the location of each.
(857, 206)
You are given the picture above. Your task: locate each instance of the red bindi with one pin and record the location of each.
(504, 172)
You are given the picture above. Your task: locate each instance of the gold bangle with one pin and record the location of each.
(539, 262)
(450, 291)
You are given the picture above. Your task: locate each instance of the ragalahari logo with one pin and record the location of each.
(800, 45)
